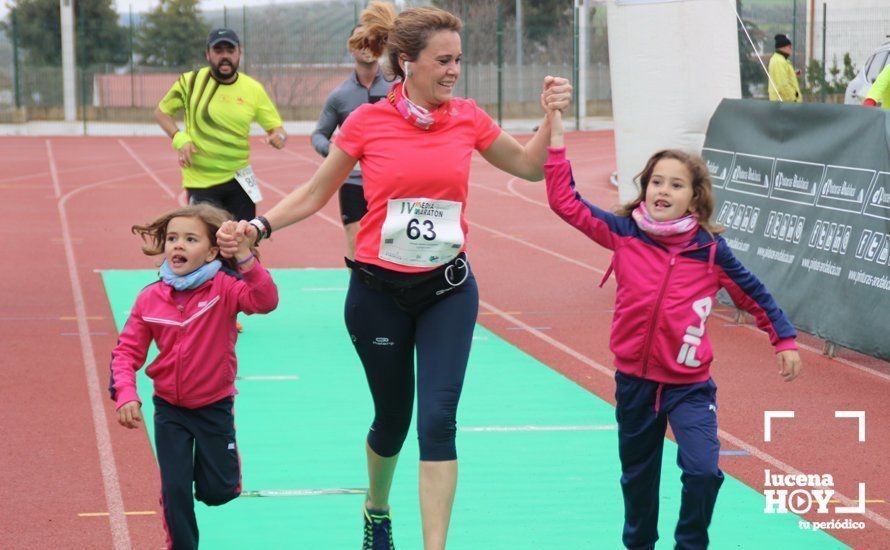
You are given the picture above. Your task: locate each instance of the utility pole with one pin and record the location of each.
(582, 59)
(66, 11)
(520, 81)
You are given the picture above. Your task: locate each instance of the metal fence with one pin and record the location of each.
(824, 32)
(298, 51)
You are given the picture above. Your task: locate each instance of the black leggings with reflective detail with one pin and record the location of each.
(386, 338)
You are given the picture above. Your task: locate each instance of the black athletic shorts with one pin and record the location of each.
(353, 205)
(229, 196)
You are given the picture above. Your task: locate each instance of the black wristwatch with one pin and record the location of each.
(263, 228)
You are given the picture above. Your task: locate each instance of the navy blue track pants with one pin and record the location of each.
(643, 411)
(195, 446)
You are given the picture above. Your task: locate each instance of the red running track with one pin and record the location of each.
(68, 205)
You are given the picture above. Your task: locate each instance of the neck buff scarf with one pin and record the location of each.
(414, 113)
(663, 229)
(192, 280)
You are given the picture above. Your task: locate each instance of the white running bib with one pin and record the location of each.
(421, 232)
(248, 182)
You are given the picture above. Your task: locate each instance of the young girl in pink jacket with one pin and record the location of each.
(669, 262)
(190, 315)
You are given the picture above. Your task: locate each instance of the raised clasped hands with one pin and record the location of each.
(556, 94)
(234, 238)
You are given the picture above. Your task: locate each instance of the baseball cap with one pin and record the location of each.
(222, 35)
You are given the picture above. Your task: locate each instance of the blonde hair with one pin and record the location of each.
(702, 202)
(154, 234)
(382, 31)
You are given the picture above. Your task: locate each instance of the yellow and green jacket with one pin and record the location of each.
(781, 72)
(217, 121)
(880, 90)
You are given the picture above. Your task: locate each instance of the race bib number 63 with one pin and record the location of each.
(421, 232)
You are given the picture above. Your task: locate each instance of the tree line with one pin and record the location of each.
(173, 34)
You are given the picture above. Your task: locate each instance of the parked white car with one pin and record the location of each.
(858, 88)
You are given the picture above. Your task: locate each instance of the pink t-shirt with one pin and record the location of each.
(399, 160)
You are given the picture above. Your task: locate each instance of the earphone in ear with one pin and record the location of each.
(406, 67)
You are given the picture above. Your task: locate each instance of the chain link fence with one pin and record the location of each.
(298, 51)
(832, 41)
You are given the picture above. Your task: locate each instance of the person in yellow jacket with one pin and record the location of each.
(784, 85)
(214, 150)
(879, 93)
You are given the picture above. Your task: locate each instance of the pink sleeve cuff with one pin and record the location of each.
(786, 344)
(125, 396)
(556, 154)
(254, 273)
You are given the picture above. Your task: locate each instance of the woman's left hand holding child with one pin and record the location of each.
(233, 236)
(237, 241)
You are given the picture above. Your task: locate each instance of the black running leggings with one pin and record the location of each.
(386, 339)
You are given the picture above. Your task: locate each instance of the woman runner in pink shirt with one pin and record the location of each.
(411, 288)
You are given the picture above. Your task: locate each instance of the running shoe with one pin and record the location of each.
(378, 530)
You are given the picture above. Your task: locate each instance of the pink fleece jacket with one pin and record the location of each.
(196, 363)
(664, 297)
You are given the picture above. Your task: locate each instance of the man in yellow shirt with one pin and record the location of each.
(219, 104)
(879, 93)
(783, 85)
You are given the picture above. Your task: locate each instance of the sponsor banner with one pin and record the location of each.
(804, 193)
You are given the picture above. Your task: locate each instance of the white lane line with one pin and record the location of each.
(89, 168)
(583, 265)
(563, 257)
(268, 377)
(316, 163)
(302, 492)
(147, 170)
(550, 340)
(120, 533)
(492, 189)
(590, 362)
(735, 441)
(54, 174)
(602, 428)
(320, 214)
(877, 518)
(324, 289)
(105, 514)
(302, 157)
(809, 348)
(511, 187)
(536, 247)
